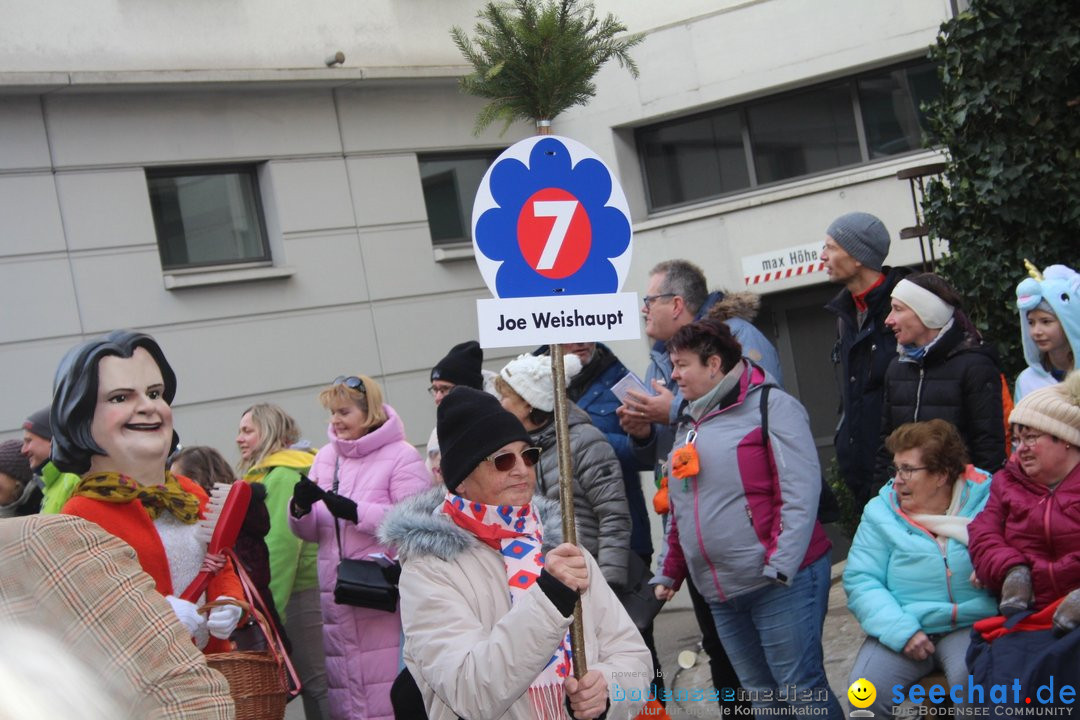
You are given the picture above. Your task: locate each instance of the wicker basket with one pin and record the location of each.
(260, 681)
(256, 683)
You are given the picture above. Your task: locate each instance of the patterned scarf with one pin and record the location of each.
(517, 534)
(116, 488)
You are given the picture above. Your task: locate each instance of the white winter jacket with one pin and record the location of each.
(474, 655)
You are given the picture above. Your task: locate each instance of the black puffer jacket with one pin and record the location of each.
(600, 508)
(862, 355)
(957, 380)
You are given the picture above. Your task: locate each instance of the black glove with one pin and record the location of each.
(340, 506)
(305, 494)
(1016, 593)
(1067, 616)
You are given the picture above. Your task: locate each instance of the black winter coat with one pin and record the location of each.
(957, 380)
(862, 356)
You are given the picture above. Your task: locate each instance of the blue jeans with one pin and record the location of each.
(773, 639)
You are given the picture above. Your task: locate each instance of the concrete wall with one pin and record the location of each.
(126, 35)
(341, 191)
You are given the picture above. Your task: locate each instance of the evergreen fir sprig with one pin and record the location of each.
(534, 59)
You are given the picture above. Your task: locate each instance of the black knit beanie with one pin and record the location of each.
(461, 366)
(471, 424)
(38, 423)
(13, 463)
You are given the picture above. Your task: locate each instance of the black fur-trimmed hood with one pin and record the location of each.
(416, 527)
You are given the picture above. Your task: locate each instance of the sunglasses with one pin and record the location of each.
(351, 382)
(505, 462)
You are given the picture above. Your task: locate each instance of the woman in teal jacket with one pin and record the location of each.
(908, 574)
(263, 438)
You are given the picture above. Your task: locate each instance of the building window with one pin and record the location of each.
(450, 182)
(207, 216)
(891, 103)
(803, 133)
(794, 134)
(700, 157)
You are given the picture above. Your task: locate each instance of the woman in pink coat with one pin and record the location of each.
(365, 469)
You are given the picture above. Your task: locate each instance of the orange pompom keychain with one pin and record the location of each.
(660, 501)
(685, 463)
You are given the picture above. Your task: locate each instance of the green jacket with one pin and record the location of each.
(292, 560)
(57, 489)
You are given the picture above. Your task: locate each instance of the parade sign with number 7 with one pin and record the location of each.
(551, 230)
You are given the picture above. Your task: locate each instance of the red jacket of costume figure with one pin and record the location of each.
(1025, 523)
(131, 523)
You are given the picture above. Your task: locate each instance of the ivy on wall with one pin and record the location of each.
(1009, 118)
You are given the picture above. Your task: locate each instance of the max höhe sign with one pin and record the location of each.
(551, 231)
(782, 264)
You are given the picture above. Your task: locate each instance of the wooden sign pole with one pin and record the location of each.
(566, 473)
(566, 494)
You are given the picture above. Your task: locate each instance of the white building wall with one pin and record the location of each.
(90, 96)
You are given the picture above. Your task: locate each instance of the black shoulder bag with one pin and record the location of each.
(364, 583)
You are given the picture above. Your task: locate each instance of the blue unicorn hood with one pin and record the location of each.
(1060, 288)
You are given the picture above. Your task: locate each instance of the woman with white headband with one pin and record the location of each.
(942, 370)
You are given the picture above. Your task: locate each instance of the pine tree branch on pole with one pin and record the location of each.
(533, 59)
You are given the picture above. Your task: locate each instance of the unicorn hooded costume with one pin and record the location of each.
(1059, 288)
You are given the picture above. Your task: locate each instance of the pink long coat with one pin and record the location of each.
(363, 651)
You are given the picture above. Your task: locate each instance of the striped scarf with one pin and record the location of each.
(516, 533)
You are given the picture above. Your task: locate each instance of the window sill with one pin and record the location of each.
(179, 281)
(453, 251)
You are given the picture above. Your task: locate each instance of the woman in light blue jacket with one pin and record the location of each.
(908, 574)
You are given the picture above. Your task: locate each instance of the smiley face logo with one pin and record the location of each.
(861, 693)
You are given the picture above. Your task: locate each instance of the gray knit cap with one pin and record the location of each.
(862, 236)
(13, 463)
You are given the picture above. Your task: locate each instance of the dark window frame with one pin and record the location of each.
(850, 81)
(488, 154)
(251, 171)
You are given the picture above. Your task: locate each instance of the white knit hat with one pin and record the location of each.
(1054, 409)
(530, 377)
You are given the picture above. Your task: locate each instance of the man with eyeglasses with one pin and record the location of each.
(677, 295)
(460, 366)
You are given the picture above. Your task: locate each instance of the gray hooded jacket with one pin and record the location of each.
(600, 507)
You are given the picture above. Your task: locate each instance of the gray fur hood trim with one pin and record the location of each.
(416, 527)
(743, 305)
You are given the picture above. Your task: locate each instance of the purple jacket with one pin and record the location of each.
(362, 646)
(1025, 523)
(750, 516)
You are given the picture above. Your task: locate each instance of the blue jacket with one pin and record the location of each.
(754, 345)
(600, 403)
(898, 579)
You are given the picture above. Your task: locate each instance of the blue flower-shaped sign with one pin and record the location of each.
(549, 219)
